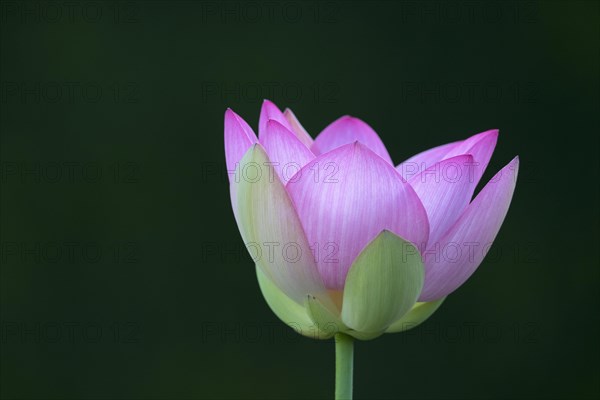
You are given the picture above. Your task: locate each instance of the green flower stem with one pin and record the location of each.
(344, 361)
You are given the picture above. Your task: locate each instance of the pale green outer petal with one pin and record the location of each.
(383, 283)
(287, 310)
(419, 313)
(272, 230)
(316, 319)
(363, 335)
(327, 317)
(324, 315)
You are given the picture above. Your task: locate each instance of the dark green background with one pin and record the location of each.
(158, 298)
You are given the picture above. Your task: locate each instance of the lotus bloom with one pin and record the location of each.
(343, 240)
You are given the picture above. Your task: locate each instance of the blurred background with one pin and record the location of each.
(123, 273)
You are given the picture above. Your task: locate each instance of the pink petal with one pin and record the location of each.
(463, 247)
(481, 147)
(347, 130)
(445, 189)
(297, 128)
(270, 111)
(420, 162)
(345, 198)
(238, 139)
(285, 151)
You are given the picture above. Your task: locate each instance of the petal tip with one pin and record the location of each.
(515, 165)
(273, 123)
(348, 119)
(253, 149)
(490, 133)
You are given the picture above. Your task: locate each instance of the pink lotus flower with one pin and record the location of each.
(346, 242)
